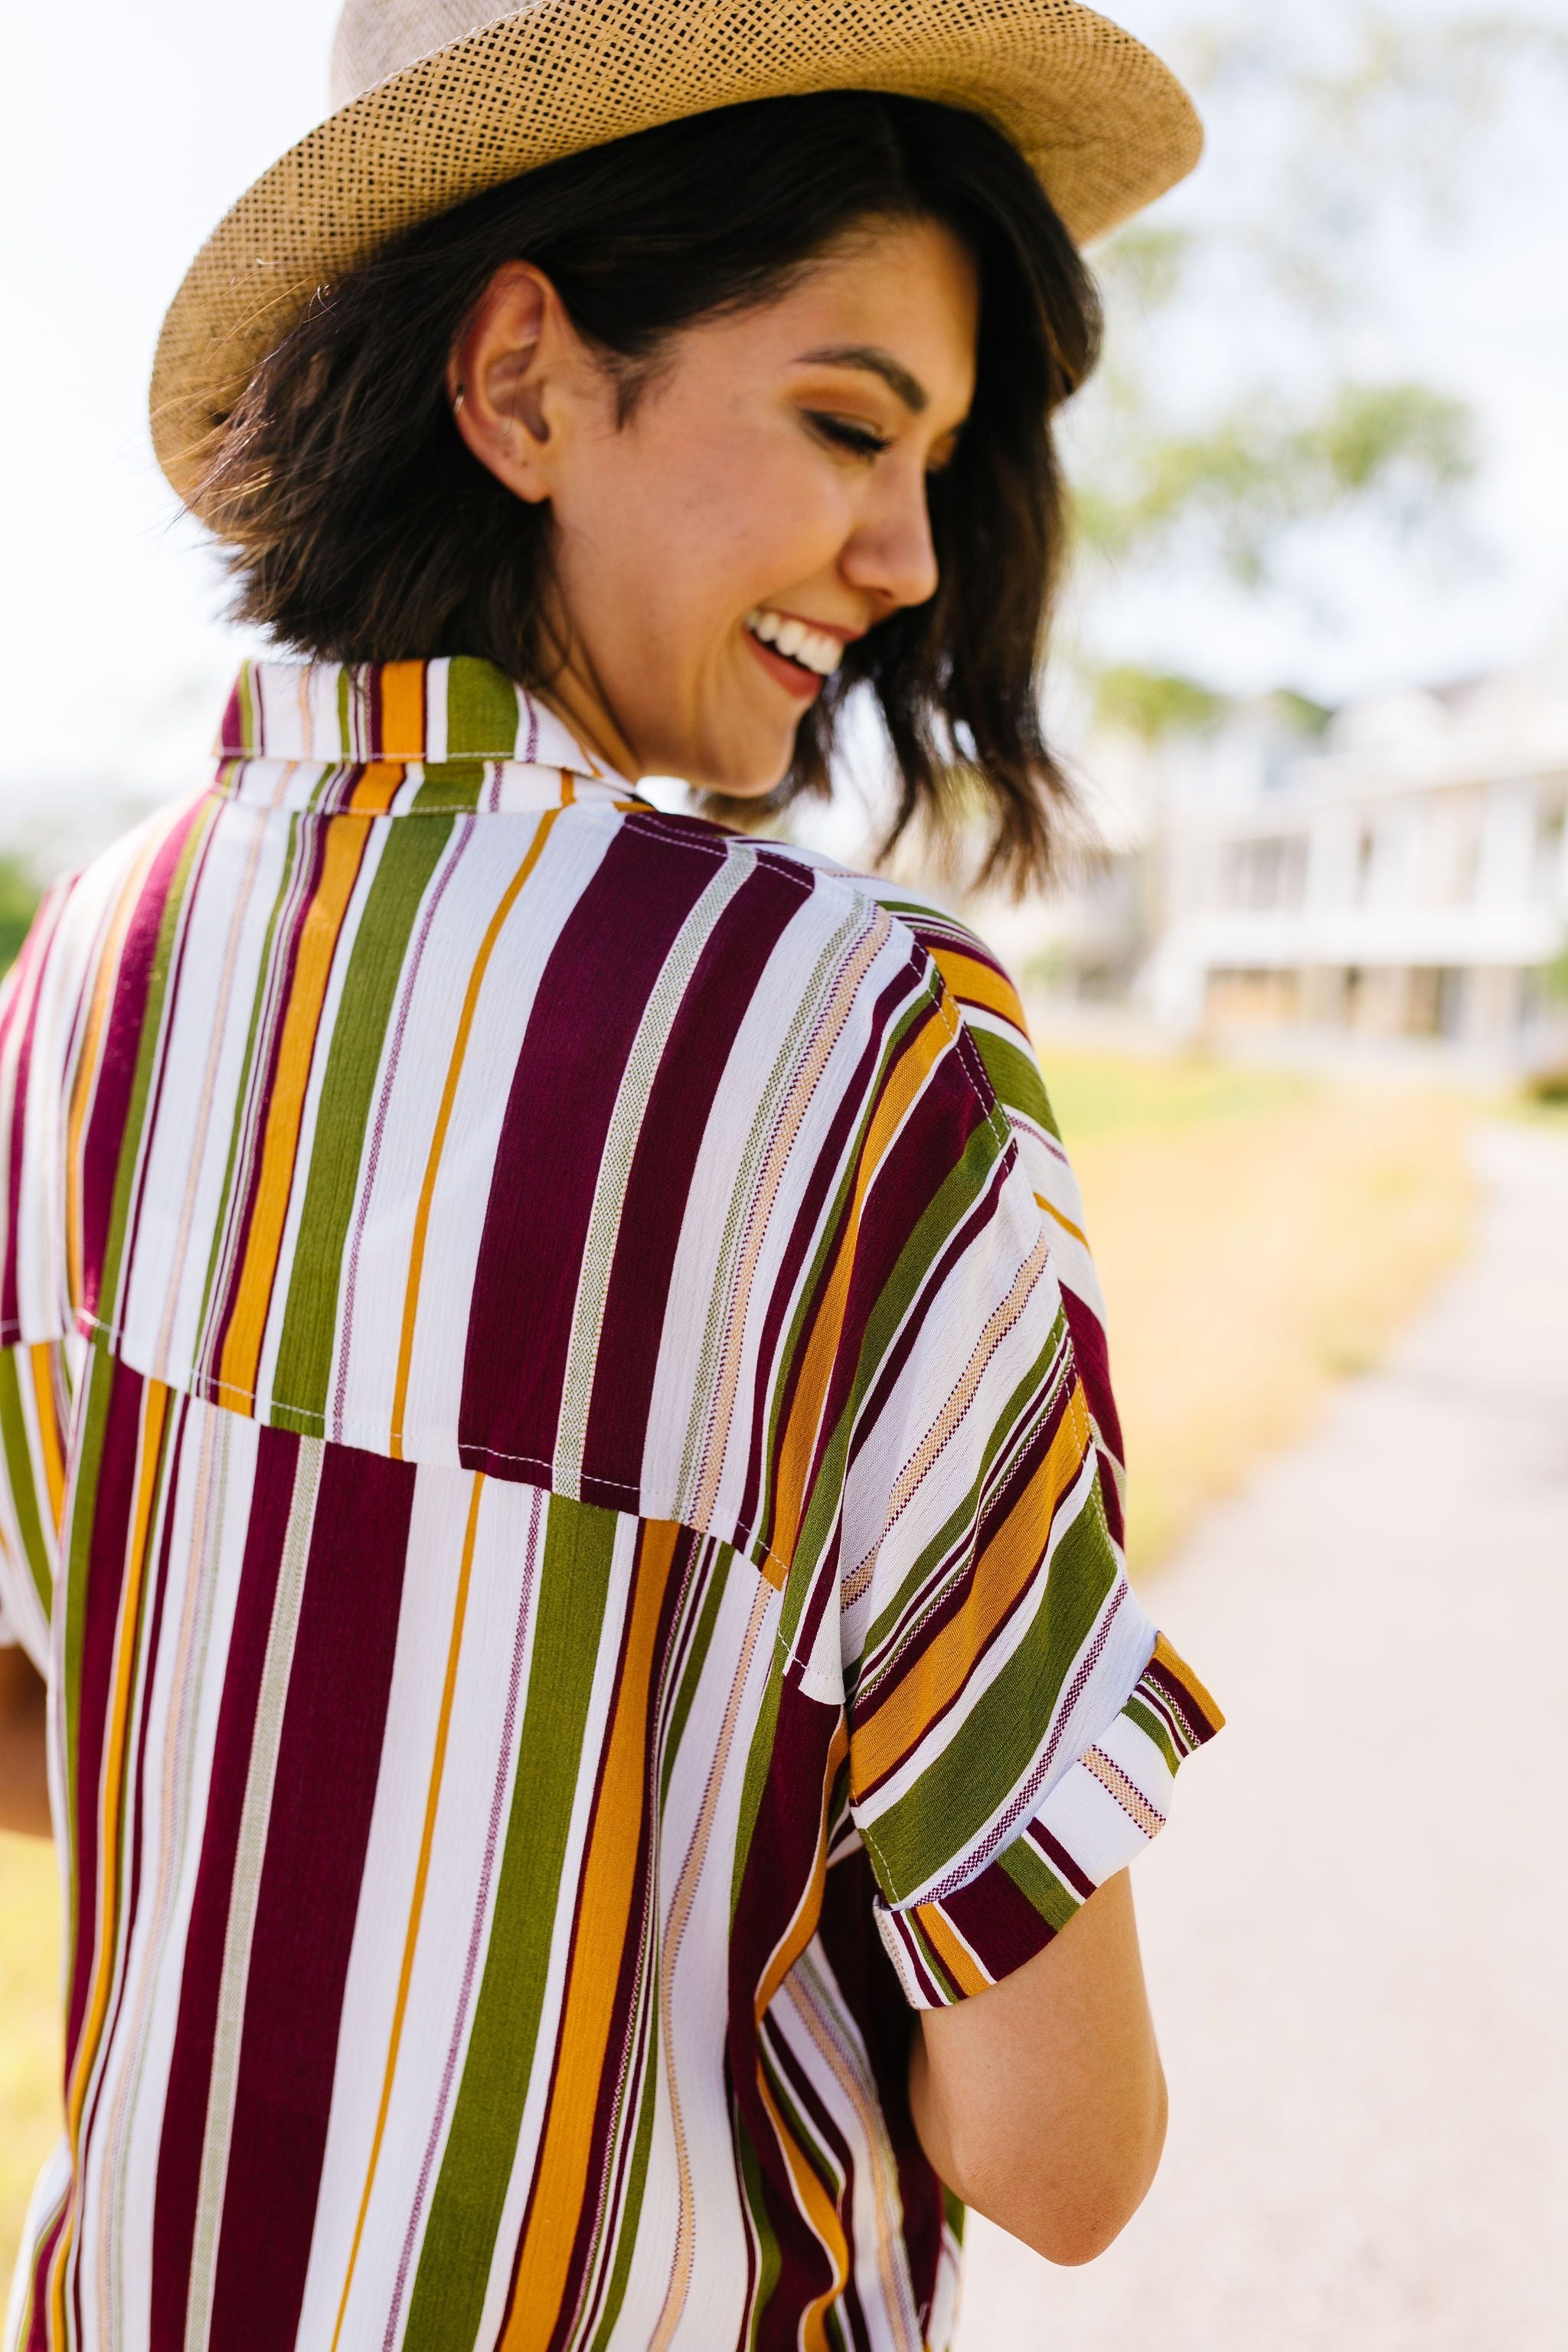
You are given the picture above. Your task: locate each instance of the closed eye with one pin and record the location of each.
(859, 439)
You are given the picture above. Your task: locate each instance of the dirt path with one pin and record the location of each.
(1357, 1925)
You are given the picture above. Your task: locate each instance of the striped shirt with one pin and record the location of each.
(559, 1462)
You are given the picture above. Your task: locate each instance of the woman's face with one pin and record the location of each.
(763, 504)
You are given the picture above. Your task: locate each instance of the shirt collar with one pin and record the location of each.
(453, 733)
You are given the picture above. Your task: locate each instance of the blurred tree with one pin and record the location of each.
(1234, 416)
(19, 896)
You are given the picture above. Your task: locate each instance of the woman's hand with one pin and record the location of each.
(24, 1766)
(1042, 2102)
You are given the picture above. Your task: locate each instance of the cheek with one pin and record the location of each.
(725, 520)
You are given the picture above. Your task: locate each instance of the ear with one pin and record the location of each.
(503, 378)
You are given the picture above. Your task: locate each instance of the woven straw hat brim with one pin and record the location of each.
(1106, 126)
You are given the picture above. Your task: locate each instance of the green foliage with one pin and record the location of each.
(1153, 704)
(19, 896)
(1236, 411)
(1555, 978)
(1241, 482)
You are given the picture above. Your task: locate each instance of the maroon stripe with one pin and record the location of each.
(701, 1038)
(871, 1990)
(917, 1331)
(329, 1763)
(1062, 1860)
(1092, 1355)
(930, 1144)
(946, 1125)
(108, 1540)
(21, 1004)
(996, 1919)
(959, 1598)
(822, 2129)
(112, 1308)
(591, 998)
(231, 734)
(135, 1845)
(190, 2068)
(37, 2338)
(104, 1141)
(771, 1393)
(779, 1857)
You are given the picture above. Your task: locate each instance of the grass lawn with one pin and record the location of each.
(1257, 1234)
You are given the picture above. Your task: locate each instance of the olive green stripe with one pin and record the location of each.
(943, 1216)
(470, 2193)
(22, 1474)
(1032, 1396)
(1038, 1883)
(311, 1319)
(482, 714)
(1014, 1079)
(625, 2220)
(990, 1752)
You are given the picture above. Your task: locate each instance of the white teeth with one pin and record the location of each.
(813, 648)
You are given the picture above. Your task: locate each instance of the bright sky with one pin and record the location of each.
(132, 130)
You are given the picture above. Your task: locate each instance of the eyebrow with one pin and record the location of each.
(873, 361)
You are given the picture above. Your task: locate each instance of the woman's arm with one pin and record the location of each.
(1041, 2101)
(24, 1767)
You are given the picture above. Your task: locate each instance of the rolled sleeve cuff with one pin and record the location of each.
(1097, 1819)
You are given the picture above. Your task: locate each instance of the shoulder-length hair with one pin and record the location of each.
(361, 529)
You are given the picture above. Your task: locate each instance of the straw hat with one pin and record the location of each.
(438, 100)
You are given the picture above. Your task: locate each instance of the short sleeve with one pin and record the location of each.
(1016, 1722)
(38, 1005)
(34, 1413)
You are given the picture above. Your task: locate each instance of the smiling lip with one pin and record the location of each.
(794, 677)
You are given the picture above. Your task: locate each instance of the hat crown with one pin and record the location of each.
(376, 38)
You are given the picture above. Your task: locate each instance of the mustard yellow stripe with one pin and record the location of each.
(887, 1733)
(1177, 1667)
(42, 1361)
(442, 1119)
(810, 2193)
(816, 1366)
(802, 1926)
(560, 2175)
(374, 791)
(154, 1411)
(1065, 1223)
(421, 1878)
(973, 983)
(344, 847)
(954, 1955)
(403, 708)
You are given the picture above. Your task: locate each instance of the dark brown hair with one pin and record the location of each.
(361, 529)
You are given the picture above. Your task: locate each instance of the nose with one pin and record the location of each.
(890, 555)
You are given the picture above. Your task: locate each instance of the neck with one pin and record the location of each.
(572, 692)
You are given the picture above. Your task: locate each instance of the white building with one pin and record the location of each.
(1405, 875)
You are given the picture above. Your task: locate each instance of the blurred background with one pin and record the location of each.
(1302, 999)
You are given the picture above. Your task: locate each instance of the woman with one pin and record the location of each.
(591, 1675)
